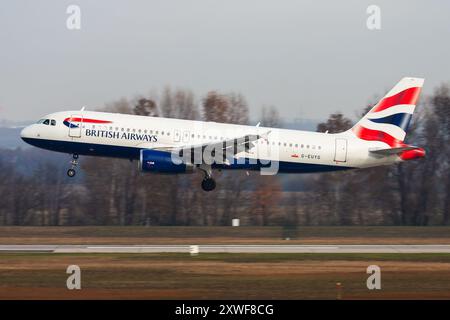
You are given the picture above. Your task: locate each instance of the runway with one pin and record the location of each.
(227, 248)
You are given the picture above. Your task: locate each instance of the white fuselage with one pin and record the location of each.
(123, 136)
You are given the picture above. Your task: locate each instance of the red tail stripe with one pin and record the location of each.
(376, 135)
(407, 96)
(86, 120)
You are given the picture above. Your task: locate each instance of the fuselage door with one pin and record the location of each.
(75, 123)
(341, 150)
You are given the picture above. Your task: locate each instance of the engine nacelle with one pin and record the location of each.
(162, 162)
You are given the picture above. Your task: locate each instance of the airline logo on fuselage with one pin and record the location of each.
(121, 135)
(73, 122)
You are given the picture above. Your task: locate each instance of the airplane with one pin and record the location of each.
(175, 146)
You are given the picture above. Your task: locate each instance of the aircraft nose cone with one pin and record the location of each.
(26, 133)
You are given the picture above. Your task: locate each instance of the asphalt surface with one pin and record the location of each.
(228, 248)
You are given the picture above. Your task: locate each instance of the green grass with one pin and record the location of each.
(239, 232)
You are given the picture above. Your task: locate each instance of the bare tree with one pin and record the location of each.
(146, 107)
(440, 101)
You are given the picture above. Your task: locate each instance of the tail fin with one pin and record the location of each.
(389, 119)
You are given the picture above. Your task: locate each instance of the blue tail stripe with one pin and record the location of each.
(399, 119)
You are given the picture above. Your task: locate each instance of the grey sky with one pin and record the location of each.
(309, 58)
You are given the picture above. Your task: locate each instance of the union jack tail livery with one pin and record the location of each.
(389, 119)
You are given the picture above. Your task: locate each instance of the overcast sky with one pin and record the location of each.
(308, 58)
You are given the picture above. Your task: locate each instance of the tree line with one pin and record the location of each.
(35, 190)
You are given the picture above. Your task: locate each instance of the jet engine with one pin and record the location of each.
(163, 162)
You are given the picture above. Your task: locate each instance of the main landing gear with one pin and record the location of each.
(208, 183)
(71, 172)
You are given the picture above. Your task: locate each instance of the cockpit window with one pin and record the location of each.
(47, 122)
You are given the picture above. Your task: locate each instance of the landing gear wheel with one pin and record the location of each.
(208, 184)
(71, 173)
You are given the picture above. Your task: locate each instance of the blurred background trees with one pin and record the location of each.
(35, 191)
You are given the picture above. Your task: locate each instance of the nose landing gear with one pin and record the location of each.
(71, 172)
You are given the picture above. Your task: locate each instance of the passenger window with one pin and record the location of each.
(53, 122)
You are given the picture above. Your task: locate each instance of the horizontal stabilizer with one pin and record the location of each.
(391, 151)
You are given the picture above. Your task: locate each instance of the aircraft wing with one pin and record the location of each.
(234, 145)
